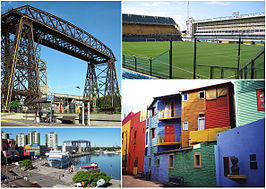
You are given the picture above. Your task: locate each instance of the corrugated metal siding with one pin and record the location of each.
(154, 124)
(217, 114)
(246, 101)
(190, 112)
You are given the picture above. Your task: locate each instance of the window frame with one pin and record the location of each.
(152, 133)
(195, 160)
(185, 94)
(158, 162)
(149, 162)
(201, 118)
(258, 100)
(187, 125)
(203, 94)
(169, 163)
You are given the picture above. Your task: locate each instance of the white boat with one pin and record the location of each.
(58, 159)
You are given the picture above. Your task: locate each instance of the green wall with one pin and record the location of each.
(246, 101)
(184, 166)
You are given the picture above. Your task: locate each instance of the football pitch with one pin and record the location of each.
(211, 54)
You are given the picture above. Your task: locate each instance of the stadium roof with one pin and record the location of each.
(232, 17)
(144, 19)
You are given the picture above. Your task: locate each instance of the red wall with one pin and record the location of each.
(127, 118)
(217, 113)
(137, 149)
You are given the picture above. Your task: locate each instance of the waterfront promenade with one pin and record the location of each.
(45, 176)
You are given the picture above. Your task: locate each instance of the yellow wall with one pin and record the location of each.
(148, 29)
(125, 137)
(190, 112)
(205, 135)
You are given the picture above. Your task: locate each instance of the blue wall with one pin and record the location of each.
(176, 122)
(160, 173)
(242, 142)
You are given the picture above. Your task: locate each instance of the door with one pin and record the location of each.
(169, 133)
(201, 122)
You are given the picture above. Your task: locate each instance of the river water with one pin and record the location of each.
(108, 163)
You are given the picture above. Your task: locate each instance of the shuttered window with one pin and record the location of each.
(261, 99)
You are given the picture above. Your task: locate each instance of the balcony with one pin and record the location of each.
(161, 141)
(205, 135)
(168, 114)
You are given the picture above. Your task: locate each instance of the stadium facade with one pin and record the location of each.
(149, 28)
(250, 28)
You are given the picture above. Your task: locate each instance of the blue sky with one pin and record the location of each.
(198, 9)
(100, 19)
(98, 136)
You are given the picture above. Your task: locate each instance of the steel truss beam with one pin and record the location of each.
(23, 27)
(20, 74)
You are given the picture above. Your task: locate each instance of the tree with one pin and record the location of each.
(27, 164)
(97, 176)
(13, 106)
(82, 176)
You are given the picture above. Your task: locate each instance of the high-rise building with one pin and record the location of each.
(21, 140)
(33, 138)
(51, 140)
(5, 135)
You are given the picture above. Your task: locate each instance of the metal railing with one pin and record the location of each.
(157, 67)
(161, 139)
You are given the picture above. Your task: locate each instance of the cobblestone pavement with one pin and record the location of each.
(130, 181)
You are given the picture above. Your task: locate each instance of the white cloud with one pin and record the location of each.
(218, 3)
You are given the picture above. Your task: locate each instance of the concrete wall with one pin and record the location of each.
(246, 101)
(160, 173)
(242, 142)
(184, 166)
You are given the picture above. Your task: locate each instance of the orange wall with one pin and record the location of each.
(190, 112)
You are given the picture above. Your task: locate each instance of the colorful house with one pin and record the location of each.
(125, 139)
(207, 111)
(164, 134)
(247, 141)
(136, 147)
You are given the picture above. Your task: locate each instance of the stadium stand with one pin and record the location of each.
(149, 28)
(250, 28)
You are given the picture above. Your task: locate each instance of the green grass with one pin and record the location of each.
(214, 54)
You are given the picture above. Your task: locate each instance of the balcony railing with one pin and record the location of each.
(168, 114)
(162, 141)
(205, 135)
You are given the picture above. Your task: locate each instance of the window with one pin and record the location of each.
(201, 122)
(135, 137)
(261, 99)
(149, 162)
(153, 111)
(185, 97)
(136, 162)
(158, 162)
(169, 109)
(197, 160)
(171, 161)
(253, 161)
(185, 126)
(226, 166)
(153, 133)
(201, 95)
(147, 138)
